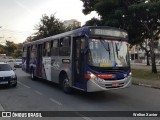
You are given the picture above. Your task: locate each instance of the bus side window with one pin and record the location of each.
(44, 50)
(55, 49)
(48, 49)
(33, 53)
(65, 46)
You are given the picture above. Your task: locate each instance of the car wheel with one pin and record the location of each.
(14, 85)
(65, 85)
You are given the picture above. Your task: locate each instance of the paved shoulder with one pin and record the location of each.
(147, 83)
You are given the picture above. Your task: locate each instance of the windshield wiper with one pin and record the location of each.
(116, 49)
(107, 49)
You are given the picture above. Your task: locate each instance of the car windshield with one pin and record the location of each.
(108, 53)
(5, 67)
(18, 60)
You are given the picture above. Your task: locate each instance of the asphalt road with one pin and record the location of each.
(44, 96)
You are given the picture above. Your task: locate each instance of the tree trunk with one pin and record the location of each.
(147, 54)
(154, 68)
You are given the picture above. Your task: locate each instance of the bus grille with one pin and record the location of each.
(113, 71)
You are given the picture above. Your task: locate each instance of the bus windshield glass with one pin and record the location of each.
(108, 53)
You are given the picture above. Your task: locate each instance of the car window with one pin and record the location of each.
(5, 67)
(18, 60)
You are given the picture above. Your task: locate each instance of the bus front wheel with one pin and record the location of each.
(65, 85)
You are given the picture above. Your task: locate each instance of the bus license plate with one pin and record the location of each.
(115, 84)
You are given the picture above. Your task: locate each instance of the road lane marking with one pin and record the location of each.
(38, 92)
(24, 85)
(55, 101)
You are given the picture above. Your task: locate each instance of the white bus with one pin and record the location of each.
(89, 59)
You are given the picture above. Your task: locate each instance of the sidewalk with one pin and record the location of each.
(153, 83)
(146, 83)
(143, 66)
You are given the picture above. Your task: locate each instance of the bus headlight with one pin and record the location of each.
(130, 74)
(90, 75)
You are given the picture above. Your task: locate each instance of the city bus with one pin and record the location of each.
(91, 58)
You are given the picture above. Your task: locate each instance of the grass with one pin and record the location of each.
(144, 74)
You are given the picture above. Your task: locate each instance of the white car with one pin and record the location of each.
(7, 75)
(18, 63)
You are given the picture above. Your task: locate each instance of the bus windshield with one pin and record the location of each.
(108, 53)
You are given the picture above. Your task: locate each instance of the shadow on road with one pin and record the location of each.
(93, 96)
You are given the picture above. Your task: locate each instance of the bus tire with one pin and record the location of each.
(65, 85)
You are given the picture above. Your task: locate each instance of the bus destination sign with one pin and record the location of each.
(108, 32)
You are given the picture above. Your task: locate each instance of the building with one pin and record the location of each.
(72, 22)
(137, 54)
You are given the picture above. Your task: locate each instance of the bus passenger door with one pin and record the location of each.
(28, 59)
(55, 61)
(39, 61)
(78, 62)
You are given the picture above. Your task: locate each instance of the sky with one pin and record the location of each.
(18, 18)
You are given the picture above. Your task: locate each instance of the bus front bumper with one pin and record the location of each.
(98, 84)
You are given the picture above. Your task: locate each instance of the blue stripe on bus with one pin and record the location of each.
(121, 75)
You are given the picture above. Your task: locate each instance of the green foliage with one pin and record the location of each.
(2, 50)
(18, 53)
(48, 26)
(145, 74)
(89, 6)
(71, 27)
(146, 17)
(94, 22)
(112, 12)
(11, 49)
(140, 18)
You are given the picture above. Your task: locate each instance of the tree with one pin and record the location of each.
(48, 26)
(94, 22)
(71, 27)
(147, 17)
(2, 49)
(111, 12)
(10, 48)
(29, 39)
(18, 51)
(140, 18)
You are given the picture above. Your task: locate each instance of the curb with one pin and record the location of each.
(145, 85)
